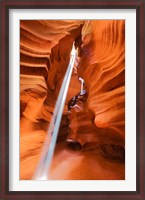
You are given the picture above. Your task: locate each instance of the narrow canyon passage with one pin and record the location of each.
(91, 137)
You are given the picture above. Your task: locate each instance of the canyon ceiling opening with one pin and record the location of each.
(72, 99)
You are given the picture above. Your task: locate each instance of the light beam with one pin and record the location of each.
(42, 171)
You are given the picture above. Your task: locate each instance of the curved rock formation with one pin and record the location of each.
(102, 66)
(84, 135)
(45, 47)
(93, 123)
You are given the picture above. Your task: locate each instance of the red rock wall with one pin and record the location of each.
(98, 123)
(45, 47)
(102, 66)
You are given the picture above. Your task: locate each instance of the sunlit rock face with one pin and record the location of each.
(92, 134)
(102, 66)
(84, 135)
(81, 128)
(45, 47)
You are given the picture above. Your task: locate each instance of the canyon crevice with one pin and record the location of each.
(91, 139)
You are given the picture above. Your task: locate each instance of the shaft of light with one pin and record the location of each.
(82, 84)
(42, 171)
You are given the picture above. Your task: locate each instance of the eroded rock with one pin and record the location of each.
(96, 125)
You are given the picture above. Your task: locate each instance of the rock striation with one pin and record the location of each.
(84, 135)
(92, 131)
(102, 66)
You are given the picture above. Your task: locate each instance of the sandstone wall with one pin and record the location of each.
(96, 122)
(102, 66)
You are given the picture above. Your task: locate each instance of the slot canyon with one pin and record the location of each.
(91, 138)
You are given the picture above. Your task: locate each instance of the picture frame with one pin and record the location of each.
(139, 194)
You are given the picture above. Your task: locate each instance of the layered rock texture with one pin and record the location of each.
(102, 66)
(91, 139)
